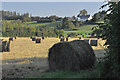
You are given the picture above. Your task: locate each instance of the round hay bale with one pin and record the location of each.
(89, 33)
(73, 56)
(33, 38)
(66, 38)
(8, 46)
(11, 39)
(79, 37)
(0, 45)
(15, 37)
(43, 38)
(82, 35)
(38, 40)
(4, 44)
(61, 39)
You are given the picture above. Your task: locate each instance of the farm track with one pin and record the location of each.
(27, 57)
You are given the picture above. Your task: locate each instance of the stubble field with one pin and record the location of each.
(28, 59)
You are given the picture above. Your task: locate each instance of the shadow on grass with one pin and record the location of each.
(38, 68)
(12, 61)
(95, 73)
(24, 67)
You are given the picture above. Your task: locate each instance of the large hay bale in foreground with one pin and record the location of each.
(74, 56)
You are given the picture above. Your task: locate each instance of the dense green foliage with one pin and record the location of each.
(98, 17)
(7, 15)
(111, 33)
(82, 12)
(82, 29)
(17, 28)
(67, 24)
(55, 24)
(44, 21)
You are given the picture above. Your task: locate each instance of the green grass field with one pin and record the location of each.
(35, 24)
(83, 29)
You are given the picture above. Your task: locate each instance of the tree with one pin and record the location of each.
(99, 16)
(61, 32)
(68, 25)
(83, 12)
(14, 13)
(96, 17)
(65, 19)
(110, 32)
(76, 23)
(73, 17)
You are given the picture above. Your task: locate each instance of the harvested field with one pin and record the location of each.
(27, 57)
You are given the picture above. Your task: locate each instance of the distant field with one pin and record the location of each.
(83, 29)
(35, 24)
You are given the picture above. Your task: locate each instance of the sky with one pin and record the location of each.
(53, 0)
(61, 9)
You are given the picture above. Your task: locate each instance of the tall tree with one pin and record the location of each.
(111, 33)
(83, 12)
(68, 25)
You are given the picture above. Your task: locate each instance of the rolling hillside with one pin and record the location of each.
(35, 24)
(82, 29)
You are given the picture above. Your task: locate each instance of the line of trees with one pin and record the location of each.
(26, 17)
(7, 15)
(13, 24)
(16, 28)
